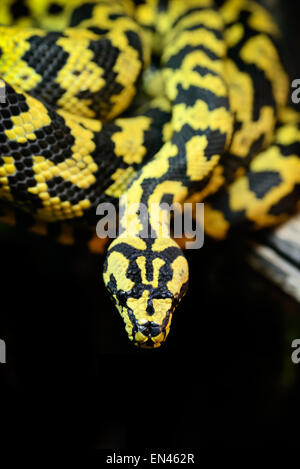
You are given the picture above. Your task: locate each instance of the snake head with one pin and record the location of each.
(146, 280)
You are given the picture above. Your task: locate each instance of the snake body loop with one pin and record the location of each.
(215, 127)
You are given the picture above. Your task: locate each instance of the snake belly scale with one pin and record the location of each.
(215, 127)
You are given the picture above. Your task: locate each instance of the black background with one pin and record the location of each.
(224, 377)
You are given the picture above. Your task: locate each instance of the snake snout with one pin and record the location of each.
(149, 334)
(150, 329)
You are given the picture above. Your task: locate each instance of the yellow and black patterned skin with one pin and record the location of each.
(216, 129)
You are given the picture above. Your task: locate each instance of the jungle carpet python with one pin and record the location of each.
(216, 127)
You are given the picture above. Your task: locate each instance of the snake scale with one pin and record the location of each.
(215, 127)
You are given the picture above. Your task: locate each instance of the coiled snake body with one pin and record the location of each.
(216, 129)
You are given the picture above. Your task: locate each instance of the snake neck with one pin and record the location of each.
(145, 271)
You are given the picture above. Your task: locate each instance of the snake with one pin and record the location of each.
(137, 103)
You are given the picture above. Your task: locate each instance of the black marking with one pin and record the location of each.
(163, 5)
(47, 59)
(215, 145)
(112, 284)
(97, 30)
(288, 150)
(188, 13)
(55, 9)
(192, 94)
(19, 10)
(65, 190)
(122, 297)
(150, 309)
(262, 86)
(260, 183)
(135, 42)
(83, 12)
(115, 16)
(216, 32)
(221, 202)
(231, 163)
(204, 71)
(175, 61)
(150, 329)
(105, 56)
(287, 204)
(167, 199)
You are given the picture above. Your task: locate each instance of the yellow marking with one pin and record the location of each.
(215, 223)
(288, 115)
(122, 178)
(5, 13)
(136, 242)
(260, 51)
(128, 65)
(192, 78)
(206, 17)
(121, 101)
(47, 169)
(287, 135)
(7, 169)
(156, 168)
(199, 117)
(180, 270)
(129, 141)
(14, 44)
(241, 91)
(160, 244)
(54, 208)
(118, 265)
(153, 83)
(158, 218)
(216, 181)
(161, 306)
(26, 123)
(252, 130)
(197, 166)
(261, 20)
(194, 38)
(242, 198)
(91, 124)
(230, 10)
(58, 22)
(234, 34)
(157, 264)
(89, 76)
